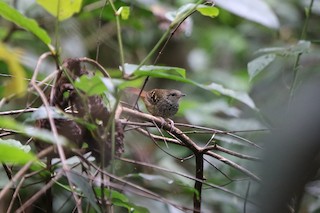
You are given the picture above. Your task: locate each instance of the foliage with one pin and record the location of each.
(237, 61)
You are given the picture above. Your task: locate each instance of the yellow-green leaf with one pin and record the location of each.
(208, 11)
(17, 84)
(124, 12)
(62, 9)
(30, 25)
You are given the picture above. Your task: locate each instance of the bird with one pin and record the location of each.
(160, 102)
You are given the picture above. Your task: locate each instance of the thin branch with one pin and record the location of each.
(216, 131)
(247, 195)
(96, 64)
(166, 126)
(233, 153)
(234, 165)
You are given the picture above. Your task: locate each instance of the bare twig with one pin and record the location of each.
(96, 64)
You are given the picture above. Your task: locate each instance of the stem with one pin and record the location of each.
(297, 61)
(119, 36)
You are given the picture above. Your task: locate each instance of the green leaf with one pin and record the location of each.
(92, 85)
(83, 184)
(62, 9)
(12, 151)
(258, 64)
(30, 25)
(150, 69)
(208, 11)
(124, 12)
(40, 134)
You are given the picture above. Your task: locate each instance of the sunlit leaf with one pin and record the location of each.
(30, 25)
(62, 9)
(17, 84)
(258, 64)
(12, 151)
(208, 11)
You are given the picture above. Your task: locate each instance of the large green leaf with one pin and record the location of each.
(174, 74)
(62, 9)
(30, 25)
(132, 68)
(91, 85)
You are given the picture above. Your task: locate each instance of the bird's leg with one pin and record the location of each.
(171, 123)
(165, 120)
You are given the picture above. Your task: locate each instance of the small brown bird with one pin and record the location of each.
(160, 102)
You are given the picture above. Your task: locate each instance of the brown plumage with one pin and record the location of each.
(160, 102)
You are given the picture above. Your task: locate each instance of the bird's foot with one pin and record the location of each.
(171, 123)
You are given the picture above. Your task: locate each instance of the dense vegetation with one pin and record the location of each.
(74, 138)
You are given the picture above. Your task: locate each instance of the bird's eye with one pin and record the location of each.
(173, 94)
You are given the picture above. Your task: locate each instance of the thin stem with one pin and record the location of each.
(119, 36)
(297, 61)
(99, 34)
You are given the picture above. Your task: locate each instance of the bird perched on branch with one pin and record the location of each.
(160, 102)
